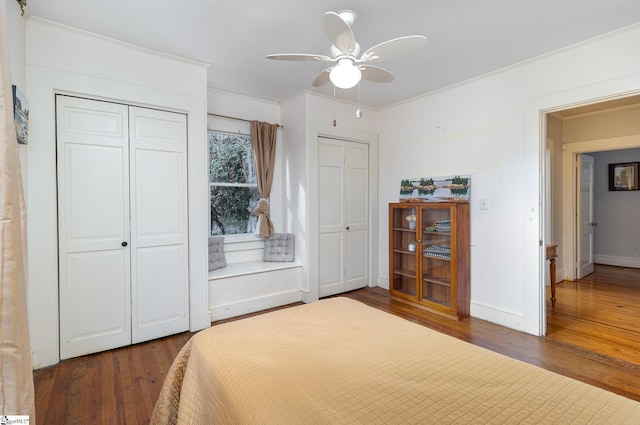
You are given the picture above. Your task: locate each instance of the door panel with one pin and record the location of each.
(159, 234)
(357, 155)
(156, 278)
(93, 202)
(90, 122)
(95, 311)
(330, 198)
(159, 203)
(585, 215)
(331, 267)
(153, 129)
(357, 199)
(357, 260)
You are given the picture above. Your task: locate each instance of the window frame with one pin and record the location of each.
(235, 237)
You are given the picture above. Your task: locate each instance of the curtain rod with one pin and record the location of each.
(234, 118)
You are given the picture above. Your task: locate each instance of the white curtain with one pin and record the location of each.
(16, 375)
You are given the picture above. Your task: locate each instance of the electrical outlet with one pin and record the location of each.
(484, 203)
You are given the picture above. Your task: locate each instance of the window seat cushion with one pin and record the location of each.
(216, 253)
(279, 247)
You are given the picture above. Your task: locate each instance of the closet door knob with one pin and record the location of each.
(124, 244)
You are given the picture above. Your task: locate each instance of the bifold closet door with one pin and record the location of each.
(93, 225)
(159, 243)
(122, 214)
(343, 199)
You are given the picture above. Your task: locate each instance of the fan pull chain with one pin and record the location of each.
(334, 106)
(358, 111)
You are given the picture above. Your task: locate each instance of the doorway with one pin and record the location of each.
(603, 127)
(603, 131)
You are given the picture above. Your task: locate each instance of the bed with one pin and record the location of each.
(338, 361)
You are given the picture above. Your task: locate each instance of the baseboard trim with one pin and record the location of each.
(501, 317)
(614, 260)
(383, 282)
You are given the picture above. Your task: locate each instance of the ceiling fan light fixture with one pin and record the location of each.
(345, 74)
(349, 65)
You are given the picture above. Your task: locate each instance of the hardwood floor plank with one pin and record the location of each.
(597, 313)
(43, 387)
(92, 408)
(77, 408)
(124, 393)
(107, 387)
(141, 372)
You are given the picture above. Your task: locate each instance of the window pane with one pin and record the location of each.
(230, 159)
(231, 210)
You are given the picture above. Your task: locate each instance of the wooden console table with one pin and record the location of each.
(551, 256)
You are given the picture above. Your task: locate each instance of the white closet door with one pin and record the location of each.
(331, 226)
(357, 214)
(93, 208)
(343, 175)
(159, 260)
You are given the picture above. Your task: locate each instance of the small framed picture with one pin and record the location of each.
(623, 176)
(21, 115)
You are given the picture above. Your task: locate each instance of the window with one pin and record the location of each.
(232, 184)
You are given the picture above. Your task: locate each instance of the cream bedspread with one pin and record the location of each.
(338, 361)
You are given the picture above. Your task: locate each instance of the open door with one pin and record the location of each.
(585, 222)
(547, 204)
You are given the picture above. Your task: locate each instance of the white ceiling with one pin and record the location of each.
(466, 38)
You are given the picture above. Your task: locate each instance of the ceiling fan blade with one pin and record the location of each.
(322, 78)
(395, 48)
(375, 74)
(300, 57)
(339, 33)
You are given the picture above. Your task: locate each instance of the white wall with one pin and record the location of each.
(294, 169)
(617, 236)
(492, 128)
(88, 65)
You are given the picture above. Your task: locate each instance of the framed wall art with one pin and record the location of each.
(20, 114)
(436, 189)
(623, 176)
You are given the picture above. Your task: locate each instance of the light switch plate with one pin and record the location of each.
(484, 203)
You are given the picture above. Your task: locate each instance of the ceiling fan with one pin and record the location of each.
(351, 66)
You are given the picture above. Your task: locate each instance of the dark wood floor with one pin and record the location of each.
(121, 386)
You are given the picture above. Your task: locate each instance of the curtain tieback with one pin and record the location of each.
(265, 226)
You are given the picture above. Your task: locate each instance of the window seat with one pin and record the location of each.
(249, 286)
(250, 267)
